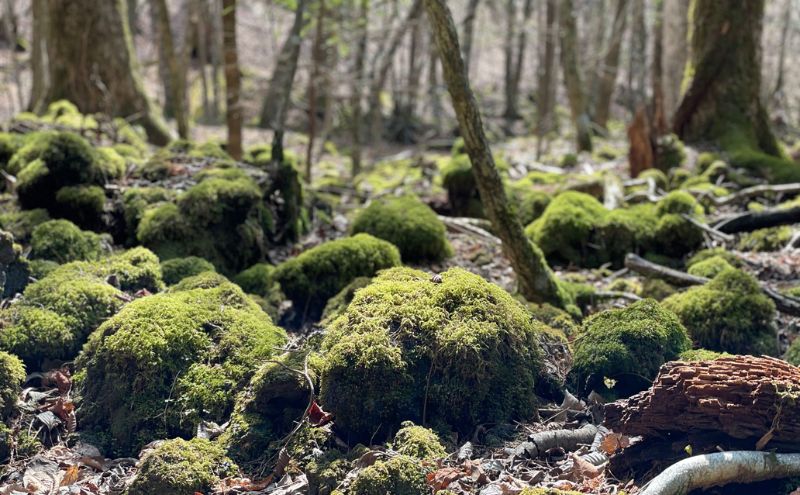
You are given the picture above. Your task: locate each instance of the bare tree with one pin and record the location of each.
(675, 51)
(233, 107)
(545, 91)
(571, 65)
(360, 56)
(39, 74)
(610, 66)
(468, 30)
(536, 282)
(174, 83)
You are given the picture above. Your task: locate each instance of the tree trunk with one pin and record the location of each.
(233, 107)
(777, 92)
(545, 92)
(675, 51)
(357, 89)
(98, 76)
(722, 104)
(198, 11)
(10, 25)
(175, 84)
(572, 77)
(610, 66)
(217, 58)
(433, 85)
(536, 282)
(276, 102)
(468, 27)
(511, 112)
(637, 71)
(39, 81)
(313, 85)
(657, 115)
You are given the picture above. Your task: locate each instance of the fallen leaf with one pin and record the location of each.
(582, 470)
(70, 476)
(614, 442)
(317, 416)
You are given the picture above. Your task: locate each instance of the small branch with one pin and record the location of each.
(755, 191)
(793, 242)
(539, 443)
(750, 221)
(704, 471)
(615, 294)
(650, 269)
(707, 228)
(469, 226)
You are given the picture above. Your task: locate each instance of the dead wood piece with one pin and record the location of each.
(744, 397)
(754, 220)
(539, 443)
(755, 191)
(650, 269)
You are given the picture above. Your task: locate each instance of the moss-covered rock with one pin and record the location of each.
(418, 442)
(166, 361)
(12, 374)
(135, 201)
(769, 239)
(63, 241)
(180, 467)
(399, 475)
(709, 267)
(657, 289)
(460, 352)
(675, 235)
(409, 224)
(82, 205)
(669, 152)
(21, 223)
(42, 268)
(720, 252)
(338, 303)
(258, 279)
(462, 191)
(203, 280)
(9, 144)
(130, 270)
(177, 269)
(701, 355)
(627, 346)
(37, 334)
(555, 318)
(728, 314)
(318, 274)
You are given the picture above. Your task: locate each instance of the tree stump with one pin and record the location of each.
(744, 397)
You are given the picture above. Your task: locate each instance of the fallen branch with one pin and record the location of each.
(539, 443)
(754, 220)
(751, 192)
(615, 294)
(707, 228)
(704, 471)
(793, 242)
(466, 225)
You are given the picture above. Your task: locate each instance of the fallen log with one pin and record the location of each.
(755, 191)
(754, 220)
(705, 471)
(539, 443)
(744, 397)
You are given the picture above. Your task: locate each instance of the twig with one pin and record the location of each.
(468, 226)
(707, 228)
(754, 191)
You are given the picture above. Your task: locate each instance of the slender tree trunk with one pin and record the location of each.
(232, 79)
(217, 58)
(433, 85)
(637, 72)
(522, 45)
(175, 86)
(198, 12)
(597, 48)
(571, 65)
(511, 112)
(657, 115)
(673, 60)
(38, 53)
(777, 91)
(276, 102)
(98, 76)
(10, 29)
(610, 66)
(536, 282)
(133, 6)
(545, 92)
(468, 30)
(313, 84)
(362, 21)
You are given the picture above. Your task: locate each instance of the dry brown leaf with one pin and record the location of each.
(70, 476)
(614, 442)
(582, 470)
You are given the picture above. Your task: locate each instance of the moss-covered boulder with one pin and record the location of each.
(675, 235)
(460, 352)
(318, 274)
(701, 355)
(37, 334)
(21, 223)
(166, 361)
(627, 346)
(462, 191)
(418, 442)
(12, 374)
(718, 252)
(769, 239)
(338, 303)
(409, 224)
(130, 270)
(83, 205)
(709, 267)
(135, 201)
(399, 475)
(258, 279)
(180, 467)
(63, 241)
(177, 269)
(728, 314)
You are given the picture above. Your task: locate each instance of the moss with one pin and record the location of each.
(21, 223)
(793, 353)
(564, 230)
(418, 442)
(669, 152)
(318, 274)
(462, 191)
(769, 239)
(36, 334)
(9, 144)
(338, 303)
(258, 279)
(460, 352)
(203, 280)
(627, 345)
(180, 467)
(701, 355)
(161, 229)
(720, 252)
(709, 267)
(675, 236)
(728, 314)
(82, 205)
(705, 160)
(218, 201)
(134, 203)
(166, 361)
(658, 177)
(677, 177)
(177, 269)
(111, 163)
(400, 475)
(326, 472)
(555, 318)
(622, 231)
(551, 491)
(657, 289)
(134, 269)
(42, 268)
(63, 241)
(409, 224)
(568, 160)
(530, 204)
(12, 374)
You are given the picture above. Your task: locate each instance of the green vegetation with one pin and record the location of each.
(709, 267)
(728, 314)
(12, 374)
(627, 346)
(419, 442)
(258, 279)
(318, 274)
(21, 223)
(177, 269)
(409, 224)
(63, 241)
(769, 239)
(399, 475)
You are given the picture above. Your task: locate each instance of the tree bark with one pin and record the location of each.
(276, 102)
(657, 115)
(98, 76)
(571, 65)
(545, 91)
(610, 66)
(468, 27)
(777, 92)
(313, 86)
(674, 54)
(637, 72)
(233, 107)
(433, 85)
(536, 281)
(175, 84)
(357, 89)
(39, 80)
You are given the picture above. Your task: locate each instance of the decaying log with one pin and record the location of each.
(755, 191)
(705, 471)
(539, 443)
(744, 397)
(754, 220)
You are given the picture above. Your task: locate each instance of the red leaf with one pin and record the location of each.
(318, 417)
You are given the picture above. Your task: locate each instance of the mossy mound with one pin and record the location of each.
(130, 270)
(701, 355)
(9, 144)
(258, 279)
(135, 201)
(674, 234)
(318, 274)
(657, 289)
(555, 318)
(12, 374)
(769, 239)
(460, 352)
(166, 361)
(728, 314)
(177, 269)
(720, 252)
(399, 475)
(203, 280)
(63, 241)
(36, 334)
(627, 346)
(82, 205)
(462, 191)
(180, 467)
(418, 442)
(338, 303)
(21, 223)
(709, 267)
(409, 224)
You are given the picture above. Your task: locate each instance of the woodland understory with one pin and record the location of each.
(382, 263)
